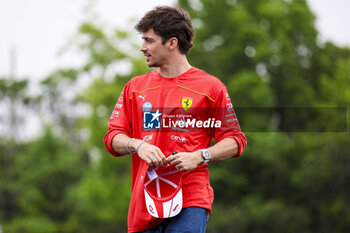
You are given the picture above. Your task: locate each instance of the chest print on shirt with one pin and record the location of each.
(186, 102)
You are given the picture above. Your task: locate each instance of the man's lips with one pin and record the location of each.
(147, 56)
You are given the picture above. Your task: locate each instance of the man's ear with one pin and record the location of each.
(172, 43)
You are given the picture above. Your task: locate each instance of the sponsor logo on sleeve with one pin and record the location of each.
(115, 114)
(229, 107)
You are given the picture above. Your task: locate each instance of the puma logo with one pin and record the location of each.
(142, 97)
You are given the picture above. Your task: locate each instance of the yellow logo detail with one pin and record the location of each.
(186, 102)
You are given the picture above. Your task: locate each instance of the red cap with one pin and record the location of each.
(163, 191)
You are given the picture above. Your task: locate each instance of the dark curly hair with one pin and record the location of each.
(168, 22)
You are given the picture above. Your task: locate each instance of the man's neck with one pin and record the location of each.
(175, 67)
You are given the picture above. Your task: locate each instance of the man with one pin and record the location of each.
(142, 124)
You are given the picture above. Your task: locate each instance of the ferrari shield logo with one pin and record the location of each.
(186, 102)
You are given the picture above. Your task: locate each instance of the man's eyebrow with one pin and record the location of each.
(147, 38)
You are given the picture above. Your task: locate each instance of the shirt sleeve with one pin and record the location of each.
(230, 127)
(120, 120)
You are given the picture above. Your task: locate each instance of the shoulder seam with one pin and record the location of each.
(196, 92)
(148, 89)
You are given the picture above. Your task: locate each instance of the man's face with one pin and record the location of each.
(156, 53)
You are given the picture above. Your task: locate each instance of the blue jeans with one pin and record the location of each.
(189, 220)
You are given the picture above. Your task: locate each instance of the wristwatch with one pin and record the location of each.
(206, 155)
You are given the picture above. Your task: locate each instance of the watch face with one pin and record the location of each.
(206, 154)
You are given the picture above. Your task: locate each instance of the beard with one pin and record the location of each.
(153, 64)
(155, 61)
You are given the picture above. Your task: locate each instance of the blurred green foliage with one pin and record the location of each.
(268, 55)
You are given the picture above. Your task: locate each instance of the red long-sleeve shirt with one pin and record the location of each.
(192, 93)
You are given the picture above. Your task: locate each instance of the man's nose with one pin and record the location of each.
(143, 48)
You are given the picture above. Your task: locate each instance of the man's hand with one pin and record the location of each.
(150, 153)
(185, 161)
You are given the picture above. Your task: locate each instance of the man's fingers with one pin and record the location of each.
(162, 157)
(152, 155)
(174, 160)
(152, 158)
(170, 158)
(157, 158)
(153, 161)
(180, 167)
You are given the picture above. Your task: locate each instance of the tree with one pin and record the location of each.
(268, 55)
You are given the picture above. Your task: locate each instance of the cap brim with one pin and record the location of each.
(163, 192)
(164, 208)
